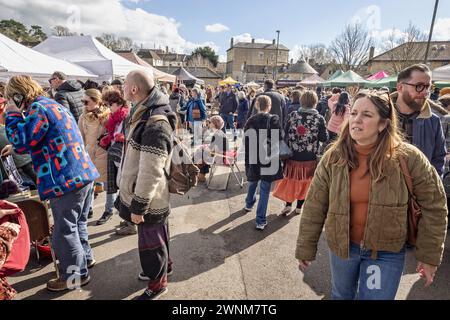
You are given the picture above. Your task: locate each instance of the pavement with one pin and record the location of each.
(217, 255)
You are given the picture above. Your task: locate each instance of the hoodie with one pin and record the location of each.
(70, 95)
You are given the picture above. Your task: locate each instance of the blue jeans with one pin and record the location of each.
(362, 278)
(261, 211)
(109, 204)
(229, 122)
(70, 238)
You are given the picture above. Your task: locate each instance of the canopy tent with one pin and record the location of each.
(227, 81)
(335, 75)
(349, 78)
(253, 85)
(442, 84)
(88, 52)
(378, 76)
(389, 82)
(17, 59)
(159, 75)
(313, 80)
(183, 75)
(442, 73)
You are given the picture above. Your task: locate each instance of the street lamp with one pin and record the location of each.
(276, 59)
(431, 31)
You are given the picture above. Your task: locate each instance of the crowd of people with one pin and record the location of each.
(335, 154)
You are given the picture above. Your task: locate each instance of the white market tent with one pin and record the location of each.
(89, 53)
(16, 59)
(442, 73)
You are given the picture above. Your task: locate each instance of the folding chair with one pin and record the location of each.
(229, 160)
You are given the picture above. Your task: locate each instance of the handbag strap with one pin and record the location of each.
(407, 175)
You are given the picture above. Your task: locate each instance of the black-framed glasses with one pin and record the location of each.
(50, 80)
(419, 87)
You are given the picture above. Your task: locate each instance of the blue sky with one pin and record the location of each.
(300, 22)
(181, 24)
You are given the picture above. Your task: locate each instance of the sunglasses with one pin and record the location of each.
(85, 102)
(419, 87)
(50, 80)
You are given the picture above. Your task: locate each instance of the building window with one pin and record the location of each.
(261, 56)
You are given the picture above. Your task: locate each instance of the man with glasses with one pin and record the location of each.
(69, 93)
(420, 126)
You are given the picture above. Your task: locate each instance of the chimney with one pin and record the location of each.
(274, 42)
(371, 53)
(167, 49)
(232, 43)
(253, 40)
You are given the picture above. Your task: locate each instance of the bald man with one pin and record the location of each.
(144, 185)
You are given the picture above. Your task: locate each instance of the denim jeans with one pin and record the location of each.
(362, 278)
(110, 199)
(229, 122)
(261, 211)
(198, 133)
(70, 239)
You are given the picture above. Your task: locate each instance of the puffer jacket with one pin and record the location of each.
(70, 96)
(328, 203)
(92, 128)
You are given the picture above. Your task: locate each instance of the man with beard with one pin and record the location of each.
(420, 126)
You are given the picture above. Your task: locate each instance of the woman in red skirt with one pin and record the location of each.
(304, 131)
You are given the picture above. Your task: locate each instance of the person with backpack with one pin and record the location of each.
(360, 195)
(144, 197)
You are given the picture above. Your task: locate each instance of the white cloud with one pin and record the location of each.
(442, 29)
(247, 37)
(102, 16)
(216, 28)
(223, 58)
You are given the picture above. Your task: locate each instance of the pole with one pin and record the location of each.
(431, 31)
(276, 59)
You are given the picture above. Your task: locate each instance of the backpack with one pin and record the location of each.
(184, 173)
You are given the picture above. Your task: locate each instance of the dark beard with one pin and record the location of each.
(413, 104)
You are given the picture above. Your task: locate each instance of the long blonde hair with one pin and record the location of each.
(25, 86)
(388, 145)
(103, 112)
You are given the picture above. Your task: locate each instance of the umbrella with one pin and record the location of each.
(227, 81)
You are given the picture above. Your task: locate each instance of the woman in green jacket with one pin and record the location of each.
(360, 195)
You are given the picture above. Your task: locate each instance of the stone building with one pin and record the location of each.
(254, 61)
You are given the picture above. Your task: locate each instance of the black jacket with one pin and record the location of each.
(256, 148)
(69, 95)
(278, 104)
(229, 103)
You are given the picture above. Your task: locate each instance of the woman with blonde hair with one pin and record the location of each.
(92, 128)
(359, 194)
(47, 131)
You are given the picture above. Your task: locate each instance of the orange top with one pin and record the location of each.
(360, 184)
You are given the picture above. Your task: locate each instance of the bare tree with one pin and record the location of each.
(403, 49)
(111, 41)
(61, 31)
(318, 53)
(351, 48)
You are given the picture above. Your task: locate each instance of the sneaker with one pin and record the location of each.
(261, 227)
(150, 295)
(59, 285)
(105, 218)
(247, 210)
(91, 214)
(91, 263)
(298, 211)
(286, 211)
(128, 230)
(123, 223)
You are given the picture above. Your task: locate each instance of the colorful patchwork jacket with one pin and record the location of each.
(51, 135)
